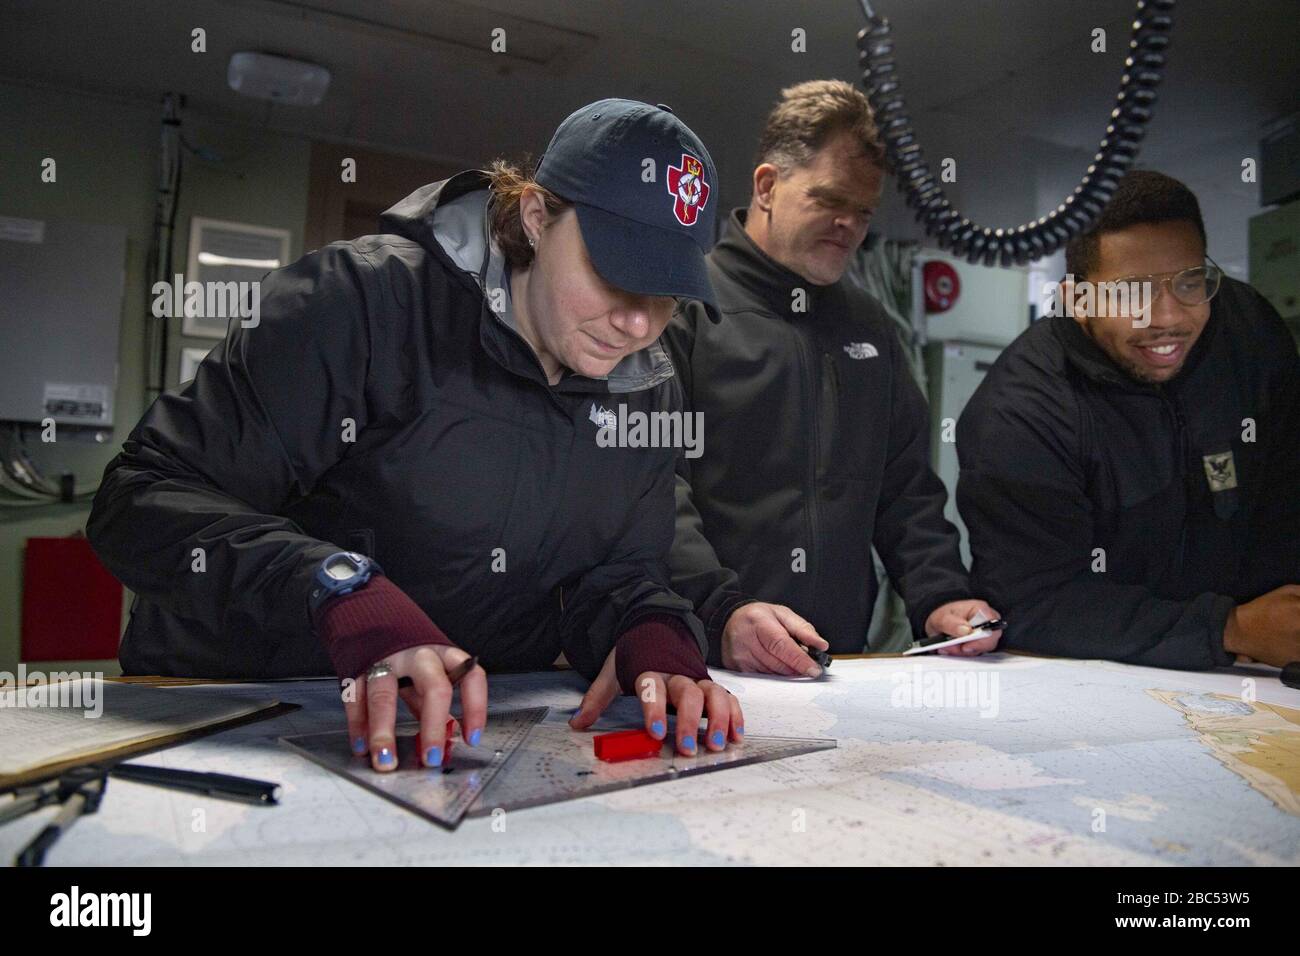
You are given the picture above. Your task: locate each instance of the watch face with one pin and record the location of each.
(341, 567)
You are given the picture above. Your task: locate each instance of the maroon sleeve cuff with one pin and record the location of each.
(657, 642)
(372, 622)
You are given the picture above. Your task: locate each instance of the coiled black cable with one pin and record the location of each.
(1143, 70)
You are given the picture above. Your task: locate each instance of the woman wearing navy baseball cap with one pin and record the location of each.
(397, 468)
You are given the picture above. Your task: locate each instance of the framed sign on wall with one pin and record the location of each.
(222, 253)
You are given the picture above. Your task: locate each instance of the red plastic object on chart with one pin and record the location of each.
(72, 606)
(451, 739)
(626, 745)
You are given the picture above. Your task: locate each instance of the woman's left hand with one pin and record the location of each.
(692, 698)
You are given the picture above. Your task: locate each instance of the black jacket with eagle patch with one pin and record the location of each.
(1110, 518)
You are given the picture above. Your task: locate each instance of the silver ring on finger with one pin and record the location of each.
(378, 669)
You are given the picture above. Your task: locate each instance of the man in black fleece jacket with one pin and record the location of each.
(1130, 479)
(817, 442)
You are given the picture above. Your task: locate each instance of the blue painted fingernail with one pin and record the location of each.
(385, 756)
(688, 744)
(657, 728)
(433, 757)
(475, 737)
(359, 746)
(717, 738)
(740, 731)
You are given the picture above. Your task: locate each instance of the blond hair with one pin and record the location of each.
(810, 113)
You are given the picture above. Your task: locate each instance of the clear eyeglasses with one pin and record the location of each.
(1194, 286)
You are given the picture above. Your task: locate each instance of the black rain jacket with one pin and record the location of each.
(480, 489)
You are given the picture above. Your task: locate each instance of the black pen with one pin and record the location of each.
(465, 667)
(823, 658)
(454, 675)
(990, 626)
(220, 785)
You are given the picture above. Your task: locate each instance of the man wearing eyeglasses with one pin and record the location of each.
(1130, 469)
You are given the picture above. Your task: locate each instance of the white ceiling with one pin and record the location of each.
(415, 76)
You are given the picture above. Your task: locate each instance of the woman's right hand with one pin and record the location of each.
(372, 709)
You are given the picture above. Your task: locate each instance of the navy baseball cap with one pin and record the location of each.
(644, 188)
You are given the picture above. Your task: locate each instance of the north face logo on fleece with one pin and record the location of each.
(861, 350)
(603, 417)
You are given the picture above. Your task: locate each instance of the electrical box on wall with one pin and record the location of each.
(988, 306)
(61, 286)
(1275, 259)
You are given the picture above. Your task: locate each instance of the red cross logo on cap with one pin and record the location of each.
(689, 189)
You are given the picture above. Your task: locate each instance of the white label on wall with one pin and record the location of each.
(22, 230)
(86, 403)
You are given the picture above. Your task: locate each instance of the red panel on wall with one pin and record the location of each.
(72, 606)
